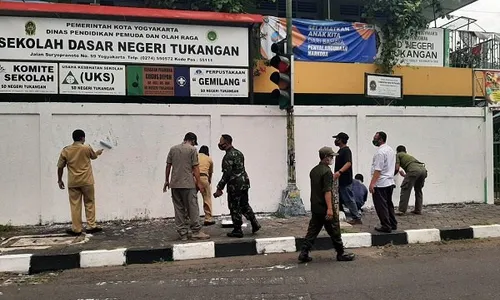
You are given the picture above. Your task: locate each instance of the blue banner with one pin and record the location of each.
(323, 41)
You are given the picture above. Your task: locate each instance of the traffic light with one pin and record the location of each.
(283, 77)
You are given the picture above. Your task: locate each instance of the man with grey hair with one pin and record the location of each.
(182, 160)
(382, 183)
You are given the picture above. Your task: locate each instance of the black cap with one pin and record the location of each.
(342, 136)
(191, 137)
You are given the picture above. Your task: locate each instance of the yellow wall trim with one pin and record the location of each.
(343, 78)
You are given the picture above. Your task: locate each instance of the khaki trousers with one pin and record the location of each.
(186, 210)
(75, 203)
(416, 180)
(207, 198)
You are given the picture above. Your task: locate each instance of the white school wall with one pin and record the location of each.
(453, 142)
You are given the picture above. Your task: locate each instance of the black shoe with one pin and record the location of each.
(355, 222)
(346, 257)
(71, 232)
(94, 230)
(394, 227)
(304, 257)
(255, 227)
(235, 233)
(383, 229)
(209, 223)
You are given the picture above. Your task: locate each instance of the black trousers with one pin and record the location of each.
(238, 206)
(332, 227)
(382, 200)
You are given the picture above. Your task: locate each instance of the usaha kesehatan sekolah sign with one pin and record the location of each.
(93, 57)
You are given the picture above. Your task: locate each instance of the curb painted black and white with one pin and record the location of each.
(35, 263)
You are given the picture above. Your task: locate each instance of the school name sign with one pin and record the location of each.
(49, 39)
(428, 49)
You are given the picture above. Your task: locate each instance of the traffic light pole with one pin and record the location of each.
(289, 31)
(291, 202)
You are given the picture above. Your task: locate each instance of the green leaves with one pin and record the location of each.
(228, 6)
(398, 20)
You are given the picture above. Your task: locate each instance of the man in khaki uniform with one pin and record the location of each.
(416, 173)
(182, 160)
(206, 171)
(77, 158)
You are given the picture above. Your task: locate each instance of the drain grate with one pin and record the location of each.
(41, 241)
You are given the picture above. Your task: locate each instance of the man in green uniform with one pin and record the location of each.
(324, 207)
(238, 183)
(416, 173)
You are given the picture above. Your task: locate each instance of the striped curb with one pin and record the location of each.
(36, 263)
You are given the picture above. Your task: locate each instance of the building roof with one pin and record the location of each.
(36, 8)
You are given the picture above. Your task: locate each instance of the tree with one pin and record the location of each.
(401, 20)
(229, 6)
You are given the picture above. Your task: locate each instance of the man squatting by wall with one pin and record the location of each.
(360, 191)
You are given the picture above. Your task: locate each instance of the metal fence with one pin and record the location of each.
(474, 49)
(496, 168)
(496, 161)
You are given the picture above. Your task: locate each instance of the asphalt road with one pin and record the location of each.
(458, 270)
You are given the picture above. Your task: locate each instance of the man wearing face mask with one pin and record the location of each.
(382, 183)
(343, 172)
(323, 208)
(182, 159)
(238, 184)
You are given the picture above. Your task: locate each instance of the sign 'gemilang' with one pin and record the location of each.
(44, 39)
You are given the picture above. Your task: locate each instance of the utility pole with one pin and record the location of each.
(291, 202)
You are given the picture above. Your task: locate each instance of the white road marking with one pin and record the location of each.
(115, 282)
(97, 299)
(281, 267)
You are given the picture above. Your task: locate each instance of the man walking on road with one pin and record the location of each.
(206, 171)
(343, 172)
(182, 159)
(416, 173)
(238, 184)
(77, 157)
(324, 208)
(382, 183)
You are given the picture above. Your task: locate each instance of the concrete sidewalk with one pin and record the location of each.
(156, 240)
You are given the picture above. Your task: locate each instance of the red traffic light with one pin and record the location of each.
(282, 63)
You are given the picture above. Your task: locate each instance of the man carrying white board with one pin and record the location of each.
(77, 158)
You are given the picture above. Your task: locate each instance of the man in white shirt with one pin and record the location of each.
(382, 183)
